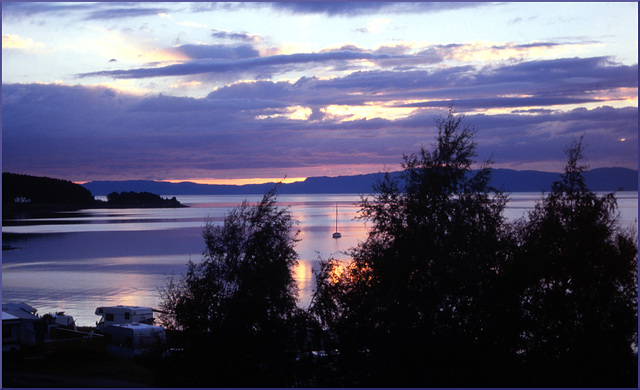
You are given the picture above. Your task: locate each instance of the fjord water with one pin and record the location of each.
(77, 261)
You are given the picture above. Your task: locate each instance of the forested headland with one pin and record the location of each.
(26, 193)
(444, 292)
(25, 189)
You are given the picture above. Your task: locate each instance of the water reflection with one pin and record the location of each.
(78, 261)
(303, 274)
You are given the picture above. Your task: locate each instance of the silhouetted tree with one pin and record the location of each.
(237, 307)
(417, 304)
(576, 270)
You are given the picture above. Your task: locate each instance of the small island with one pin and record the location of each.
(139, 200)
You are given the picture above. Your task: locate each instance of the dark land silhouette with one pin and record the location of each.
(39, 196)
(599, 179)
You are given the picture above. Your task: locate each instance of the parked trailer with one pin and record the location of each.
(132, 340)
(58, 320)
(113, 315)
(11, 338)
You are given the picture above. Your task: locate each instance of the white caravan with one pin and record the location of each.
(131, 340)
(114, 315)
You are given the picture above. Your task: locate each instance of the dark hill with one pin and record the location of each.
(42, 190)
(612, 179)
(39, 196)
(600, 179)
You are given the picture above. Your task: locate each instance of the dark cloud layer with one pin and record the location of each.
(88, 11)
(377, 104)
(84, 133)
(399, 65)
(210, 65)
(120, 13)
(229, 52)
(237, 36)
(334, 8)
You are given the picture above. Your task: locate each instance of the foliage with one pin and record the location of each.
(576, 274)
(43, 190)
(444, 292)
(418, 298)
(237, 307)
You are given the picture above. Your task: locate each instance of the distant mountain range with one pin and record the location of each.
(599, 179)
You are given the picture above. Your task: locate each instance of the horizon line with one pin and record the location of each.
(287, 180)
(239, 182)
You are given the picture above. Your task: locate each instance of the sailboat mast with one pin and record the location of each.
(336, 234)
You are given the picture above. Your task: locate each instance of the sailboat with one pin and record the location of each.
(337, 234)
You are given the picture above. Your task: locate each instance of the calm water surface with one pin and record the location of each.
(80, 260)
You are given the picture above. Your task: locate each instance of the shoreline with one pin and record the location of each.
(17, 210)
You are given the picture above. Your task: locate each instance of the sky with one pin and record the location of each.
(246, 92)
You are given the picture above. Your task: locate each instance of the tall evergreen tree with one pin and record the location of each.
(576, 270)
(415, 306)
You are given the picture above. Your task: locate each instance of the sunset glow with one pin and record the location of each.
(240, 182)
(246, 92)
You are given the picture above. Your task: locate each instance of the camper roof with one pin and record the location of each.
(7, 316)
(8, 307)
(136, 326)
(102, 309)
(20, 310)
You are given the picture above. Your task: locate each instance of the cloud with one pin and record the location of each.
(340, 9)
(83, 133)
(202, 51)
(89, 11)
(238, 36)
(491, 52)
(369, 8)
(243, 64)
(378, 25)
(519, 20)
(21, 10)
(190, 24)
(17, 42)
(218, 6)
(244, 59)
(502, 102)
(124, 12)
(398, 55)
(576, 78)
(364, 118)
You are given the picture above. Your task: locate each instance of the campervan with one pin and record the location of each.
(132, 340)
(113, 315)
(58, 320)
